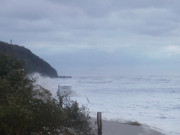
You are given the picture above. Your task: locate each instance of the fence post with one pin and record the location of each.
(99, 123)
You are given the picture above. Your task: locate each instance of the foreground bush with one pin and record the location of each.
(26, 109)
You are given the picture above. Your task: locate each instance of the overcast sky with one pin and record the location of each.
(95, 37)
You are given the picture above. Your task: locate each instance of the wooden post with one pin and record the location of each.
(61, 101)
(99, 123)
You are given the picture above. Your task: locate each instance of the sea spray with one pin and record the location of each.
(150, 100)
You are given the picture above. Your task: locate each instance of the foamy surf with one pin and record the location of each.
(150, 100)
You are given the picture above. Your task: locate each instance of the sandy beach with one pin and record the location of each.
(117, 128)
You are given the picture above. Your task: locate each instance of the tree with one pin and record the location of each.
(27, 109)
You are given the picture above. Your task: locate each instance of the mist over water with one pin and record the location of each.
(151, 100)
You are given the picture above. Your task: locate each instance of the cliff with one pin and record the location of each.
(32, 63)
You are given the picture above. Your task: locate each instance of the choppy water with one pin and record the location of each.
(151, 100)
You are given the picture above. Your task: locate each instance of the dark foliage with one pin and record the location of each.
(26, 109)
(32, 62)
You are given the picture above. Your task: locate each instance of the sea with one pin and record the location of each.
(150, 100)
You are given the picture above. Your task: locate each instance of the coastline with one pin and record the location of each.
(117, 128)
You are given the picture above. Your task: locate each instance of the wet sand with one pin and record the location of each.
(117, 128)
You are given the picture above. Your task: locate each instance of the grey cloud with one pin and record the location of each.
(27, 10)
(105, 6)
(90, 22)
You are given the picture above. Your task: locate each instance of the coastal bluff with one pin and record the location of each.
(32, 63)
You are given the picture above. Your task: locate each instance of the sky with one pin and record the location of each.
(97, 37)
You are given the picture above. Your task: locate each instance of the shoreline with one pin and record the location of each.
(128, 128)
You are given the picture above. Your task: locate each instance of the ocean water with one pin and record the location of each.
(150, 100)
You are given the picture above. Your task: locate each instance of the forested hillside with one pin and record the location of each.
(32, 63)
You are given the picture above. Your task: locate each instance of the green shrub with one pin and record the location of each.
(26, 109)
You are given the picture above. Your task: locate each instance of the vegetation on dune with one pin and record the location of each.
(32, 63)
(26, 109)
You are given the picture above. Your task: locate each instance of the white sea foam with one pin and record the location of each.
(151, 100)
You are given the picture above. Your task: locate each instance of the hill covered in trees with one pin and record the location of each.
(32, 63)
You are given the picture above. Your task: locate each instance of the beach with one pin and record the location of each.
(150, 100)
(117, 128)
